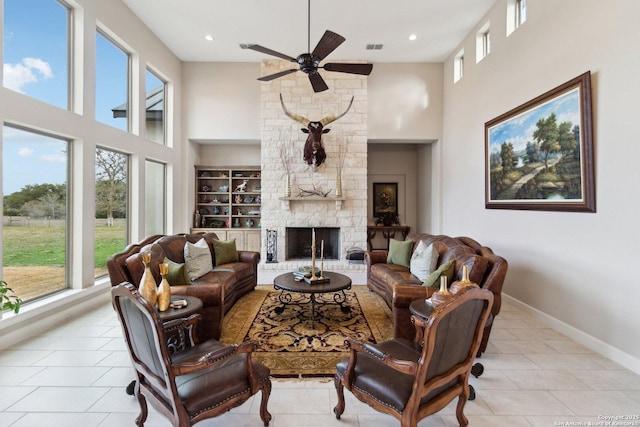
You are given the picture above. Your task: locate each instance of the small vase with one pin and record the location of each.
(338, 185)
(457, 286)
(287, 188)
(164, 291)
(442, 295)
(147, 287)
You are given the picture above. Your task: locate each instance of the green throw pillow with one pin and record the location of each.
(447, 269)
(399, 252)
(225, 251)
(177, 274)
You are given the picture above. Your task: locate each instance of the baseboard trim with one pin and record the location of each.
(618, 356)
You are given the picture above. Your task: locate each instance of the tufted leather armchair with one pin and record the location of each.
(411, 380)
(200, 382)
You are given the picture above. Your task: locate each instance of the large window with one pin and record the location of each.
(34, 233)
(36, 49)
(155, 198)
(112, 83)
(156, 102)
(112, 172)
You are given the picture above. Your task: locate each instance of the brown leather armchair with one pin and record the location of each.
(200, 382)
(411, 380)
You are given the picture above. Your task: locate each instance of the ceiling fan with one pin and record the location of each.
(309, 63)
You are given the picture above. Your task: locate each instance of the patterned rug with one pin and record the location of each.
(290, 344)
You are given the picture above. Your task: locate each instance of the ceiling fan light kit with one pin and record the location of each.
(309, 63)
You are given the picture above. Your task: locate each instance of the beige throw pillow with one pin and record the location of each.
(423, 260)
(197, 259)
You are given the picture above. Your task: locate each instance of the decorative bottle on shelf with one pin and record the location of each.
(147, 288)
(338, 185)
(287, 188)
(164, 292)
(462, 283)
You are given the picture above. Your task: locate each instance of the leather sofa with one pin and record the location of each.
(398, 287)
(218, 289)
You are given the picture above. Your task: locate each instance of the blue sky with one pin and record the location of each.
(35, 64)
(519, 129)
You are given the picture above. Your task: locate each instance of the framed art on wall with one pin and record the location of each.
(385, 199)
(539, 156)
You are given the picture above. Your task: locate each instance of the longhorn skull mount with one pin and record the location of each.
(313, 152)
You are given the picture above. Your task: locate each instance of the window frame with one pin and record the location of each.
(68, 222)
(129, 76)
(165, 127)
(458, 66)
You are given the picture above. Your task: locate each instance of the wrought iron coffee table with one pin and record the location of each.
(338, 283)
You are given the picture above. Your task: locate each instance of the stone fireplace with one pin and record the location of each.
(282, 140)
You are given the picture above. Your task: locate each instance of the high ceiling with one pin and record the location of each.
(282, 25)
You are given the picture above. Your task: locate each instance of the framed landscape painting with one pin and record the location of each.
(539, 156)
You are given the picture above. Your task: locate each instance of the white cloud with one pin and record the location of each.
(25, 152)
(54, 158)
(40, 65)
(20, 74)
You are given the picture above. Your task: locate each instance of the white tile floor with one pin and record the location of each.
(75, 375)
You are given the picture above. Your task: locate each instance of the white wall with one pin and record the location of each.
(576, 268)
(405, 102)
(395, 163)
(221, 100)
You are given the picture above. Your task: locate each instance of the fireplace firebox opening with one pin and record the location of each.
(298, 242)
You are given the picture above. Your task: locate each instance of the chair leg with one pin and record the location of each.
(462, 420)
(264, 412)
(144, 411)
(339, 409)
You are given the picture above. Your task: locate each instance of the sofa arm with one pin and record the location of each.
(403, 295)
(249, 256)
(375, 257)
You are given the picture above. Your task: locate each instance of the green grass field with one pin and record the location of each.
(45, 245)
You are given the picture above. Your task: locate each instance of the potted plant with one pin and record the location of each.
(8, 300)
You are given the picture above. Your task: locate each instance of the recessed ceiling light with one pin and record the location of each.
(412, 37)
(208, 37)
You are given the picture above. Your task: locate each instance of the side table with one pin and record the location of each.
(178, 338)
(423, 308)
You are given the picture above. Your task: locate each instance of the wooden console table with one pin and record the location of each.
(388, 232)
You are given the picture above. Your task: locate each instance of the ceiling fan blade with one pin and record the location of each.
(364, 69)
(276, 75)
(317, 82)
(268, 51)
(327, 44)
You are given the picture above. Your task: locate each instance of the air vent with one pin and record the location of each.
(374, 46)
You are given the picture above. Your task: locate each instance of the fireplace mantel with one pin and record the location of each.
(337, 200)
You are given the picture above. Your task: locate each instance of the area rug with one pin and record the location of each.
(291, 344)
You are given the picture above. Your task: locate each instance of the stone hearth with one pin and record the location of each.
(280, 134)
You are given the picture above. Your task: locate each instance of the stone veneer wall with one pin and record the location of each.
(280, 131)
